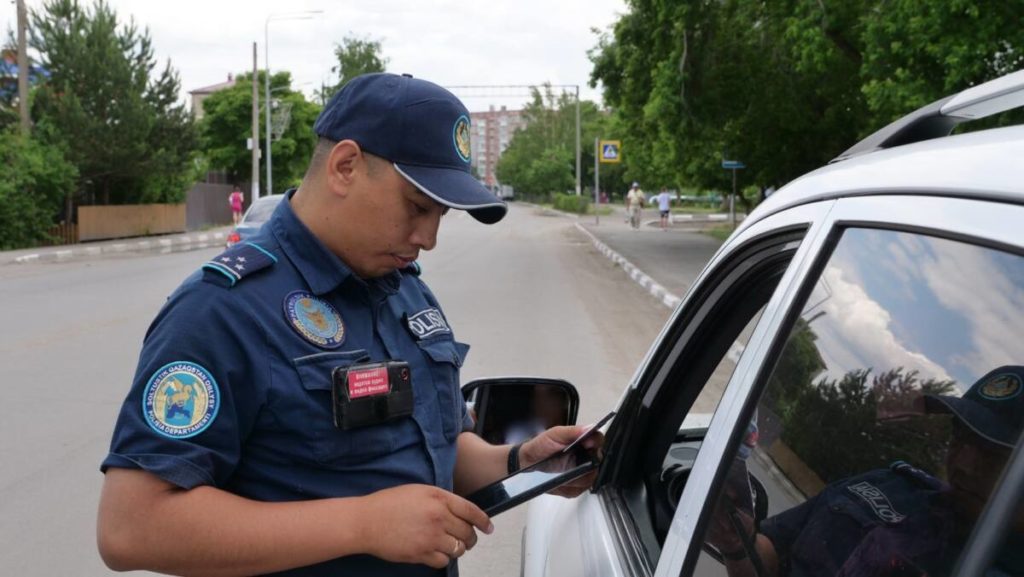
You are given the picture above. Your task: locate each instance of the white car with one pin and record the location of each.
(840, 391)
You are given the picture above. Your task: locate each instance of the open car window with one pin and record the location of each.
(688, 378)
(887, 421)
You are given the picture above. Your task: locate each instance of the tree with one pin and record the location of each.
(356, 56)
(118, 122)
(32, 185)
(785, 86)
(227, 123)
(541, 158)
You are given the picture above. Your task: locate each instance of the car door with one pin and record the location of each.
(727, 314)
(850, 408)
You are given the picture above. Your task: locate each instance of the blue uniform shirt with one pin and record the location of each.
(233, 385)
(895, 522)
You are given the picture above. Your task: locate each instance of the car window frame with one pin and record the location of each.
(651, 376)
(968, 220)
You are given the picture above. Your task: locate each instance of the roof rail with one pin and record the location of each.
(940, 117)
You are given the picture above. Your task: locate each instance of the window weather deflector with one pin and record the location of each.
(940, 117)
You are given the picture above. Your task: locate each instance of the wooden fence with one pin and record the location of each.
(119, 221)
(63, 233)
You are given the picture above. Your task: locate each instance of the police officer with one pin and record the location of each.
(899, 521)
(296, 406)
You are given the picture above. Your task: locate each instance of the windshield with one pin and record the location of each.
(261, 211)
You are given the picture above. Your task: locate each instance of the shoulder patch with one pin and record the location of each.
(180, 400)
(917, 476)
(236, 263)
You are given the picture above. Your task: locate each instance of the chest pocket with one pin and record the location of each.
(445, 359)
(330, 445)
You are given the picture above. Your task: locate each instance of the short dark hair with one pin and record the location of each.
(323, 149)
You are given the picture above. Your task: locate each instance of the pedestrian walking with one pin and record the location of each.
(664, 207)
(235, 199)
(634, 205)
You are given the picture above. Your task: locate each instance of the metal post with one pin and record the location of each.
(732, 200)
(597, 180)
(26, 125)
(266, 100)
(579, 173)
(255, 193)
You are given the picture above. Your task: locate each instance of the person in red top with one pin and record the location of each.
(235, 199)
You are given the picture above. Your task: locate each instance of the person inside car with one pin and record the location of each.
(900, 521)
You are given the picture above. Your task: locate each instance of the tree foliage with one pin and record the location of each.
(541, 158)
(356, 56)
(118, 120)
(32, 186)
(785, 86)
(227, 123)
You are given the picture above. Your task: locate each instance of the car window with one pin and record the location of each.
(887, 420)
(261, 211)
(699, 356)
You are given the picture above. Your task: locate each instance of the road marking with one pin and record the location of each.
(639, 277)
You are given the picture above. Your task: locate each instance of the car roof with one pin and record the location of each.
(984, 165)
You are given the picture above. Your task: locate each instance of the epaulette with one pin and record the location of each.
(413, 268)
(916, 475)
(236, 263)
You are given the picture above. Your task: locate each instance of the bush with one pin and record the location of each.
(33, 182)
(572, 203)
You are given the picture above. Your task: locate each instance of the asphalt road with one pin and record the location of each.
(531, 294)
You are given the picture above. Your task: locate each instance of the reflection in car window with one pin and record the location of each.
(892, 410)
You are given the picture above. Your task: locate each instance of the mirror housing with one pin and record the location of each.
(509, 410)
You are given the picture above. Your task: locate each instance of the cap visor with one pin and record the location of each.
(978, 419)
(456, 189)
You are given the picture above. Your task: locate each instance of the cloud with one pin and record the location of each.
(447, 41)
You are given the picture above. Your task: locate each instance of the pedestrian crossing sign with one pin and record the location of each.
(611, 151)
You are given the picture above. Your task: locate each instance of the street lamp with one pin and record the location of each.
(306, 15)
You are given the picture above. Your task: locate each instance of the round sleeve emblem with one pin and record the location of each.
(181, 400)
(314, 319)
(461, 135)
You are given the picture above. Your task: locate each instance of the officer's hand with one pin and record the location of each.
(554, 440)
(421, 524)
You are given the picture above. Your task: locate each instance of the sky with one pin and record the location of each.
(450, 42)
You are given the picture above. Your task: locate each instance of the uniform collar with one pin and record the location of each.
(322, 270)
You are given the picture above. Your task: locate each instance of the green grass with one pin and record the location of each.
(721, 232)
(602, 210)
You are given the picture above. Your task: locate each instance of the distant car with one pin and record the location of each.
(254, 218)
(841, 391)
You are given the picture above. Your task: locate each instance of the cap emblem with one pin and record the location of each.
(1001, 387)
(461, 137)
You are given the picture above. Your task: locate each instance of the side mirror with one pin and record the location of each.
(512, 409)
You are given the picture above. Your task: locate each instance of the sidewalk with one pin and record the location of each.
(665, 263)
(162, 243)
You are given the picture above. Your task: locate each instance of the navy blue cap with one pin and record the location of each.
(418, 126)
(993, 407)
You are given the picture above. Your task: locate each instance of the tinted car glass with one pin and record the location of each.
(888, 418)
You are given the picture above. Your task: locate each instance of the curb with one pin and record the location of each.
(163, 245)
(639, 277)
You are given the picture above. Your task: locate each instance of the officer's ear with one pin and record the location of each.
(342, 165)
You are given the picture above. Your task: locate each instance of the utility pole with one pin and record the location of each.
(26, 125)
(579, 173)
(255, 141)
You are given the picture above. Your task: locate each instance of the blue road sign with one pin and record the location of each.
(732, 164)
